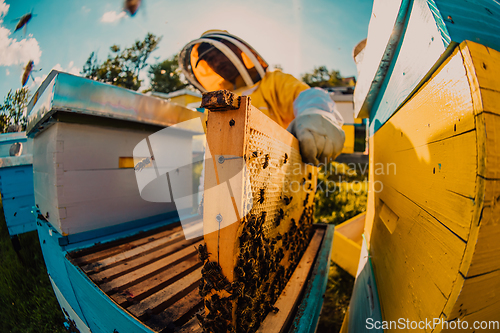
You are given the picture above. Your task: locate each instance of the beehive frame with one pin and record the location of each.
(258, 235)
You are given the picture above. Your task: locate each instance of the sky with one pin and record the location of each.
(296, 34)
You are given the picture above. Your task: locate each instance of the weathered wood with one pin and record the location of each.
(167, 296)
(156, 282)
(192, 326)
(139, 261)
(141, 250)
(86, 256)
(277, 322)
(172, 316)
(308, 312)
(145, 272)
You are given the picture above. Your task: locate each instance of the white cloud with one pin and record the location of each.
(12, 51)
(85, 10)
(4, 8)
(112, 16)
(71, 69)
(36, 82)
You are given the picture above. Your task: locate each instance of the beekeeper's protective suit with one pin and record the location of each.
(219, 60)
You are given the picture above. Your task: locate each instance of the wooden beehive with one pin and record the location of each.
(433, 215)
(258, 206)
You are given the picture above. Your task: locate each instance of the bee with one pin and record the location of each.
(211, 271)
(261, 198)
(303, 181)
(28, 72)
(143, 163)
(206, 289)
(23, 21)
(245, 236)
(306, 199)
(309, 176)
(132, 6)
(202, 252)
(266, 161)
(255, 154)
(281, 215)
(231, 122)
(239, 272)
(287, 200)
(263, 217)
(285, 159)
(221, 284)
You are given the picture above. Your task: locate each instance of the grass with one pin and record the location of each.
(26, 298)
(346, 198)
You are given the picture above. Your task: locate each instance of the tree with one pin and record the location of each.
(122, 67)
(166, 76)
(12, 111)
(321, 77)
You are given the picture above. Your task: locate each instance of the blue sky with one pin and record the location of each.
(297, 34)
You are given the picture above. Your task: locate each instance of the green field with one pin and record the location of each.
(28, 303)
(26, 298)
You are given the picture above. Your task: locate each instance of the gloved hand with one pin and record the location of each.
(320, 137)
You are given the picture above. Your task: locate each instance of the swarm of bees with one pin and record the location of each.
(269, 247)
(263, 267)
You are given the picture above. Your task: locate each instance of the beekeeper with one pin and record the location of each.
(219, 60)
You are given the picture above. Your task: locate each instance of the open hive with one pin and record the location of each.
(258, 206)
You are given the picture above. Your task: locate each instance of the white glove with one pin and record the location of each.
(318, 126)
(320, 137)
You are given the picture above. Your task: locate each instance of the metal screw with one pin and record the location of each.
(221, 159)
(218, 218)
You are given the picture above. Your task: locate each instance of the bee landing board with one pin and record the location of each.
(258, 206)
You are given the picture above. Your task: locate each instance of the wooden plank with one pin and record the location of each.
(139, 261)
(479, 293)
(441, 256)
(431, 183)
(417, 52)
(145, 272)
(365, 301)
(171, 317)
(289, 298)
(156, 282)
(231, 145)
(308, 312)
(162, 299)
(348, 238)
(487, 247)
(152, 245)
(384, 31)
(424, 149)
(100, 313)
(192, 326)
(416, 266)
(85, 256)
